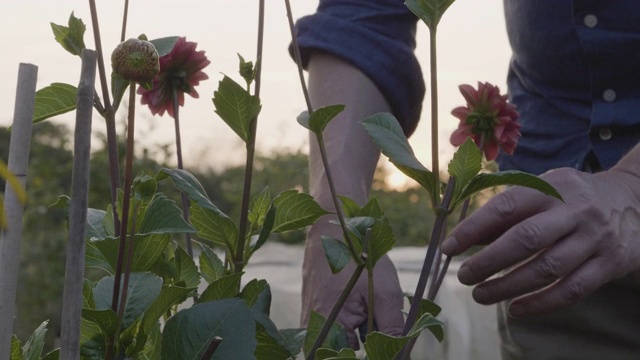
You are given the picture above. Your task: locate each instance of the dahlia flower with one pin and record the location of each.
(180, 70)
(488, 118)
(135, 60)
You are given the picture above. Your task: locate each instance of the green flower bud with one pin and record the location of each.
(135, 60)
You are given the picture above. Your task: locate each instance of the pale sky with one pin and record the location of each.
(471, 38)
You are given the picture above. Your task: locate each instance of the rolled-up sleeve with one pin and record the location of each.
(376, 36)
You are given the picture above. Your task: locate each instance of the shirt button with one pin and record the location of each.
(590, 21)
(609, 95)
(605, 134)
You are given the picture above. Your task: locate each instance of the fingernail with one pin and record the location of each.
(449, 245)
(480, 294)
(464, 275)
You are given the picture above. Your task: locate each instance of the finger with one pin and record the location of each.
(585, 280)
(387, 311)
(541, 271)
(493, 219)
(516, 245)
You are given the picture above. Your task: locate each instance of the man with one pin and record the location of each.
(571, 268)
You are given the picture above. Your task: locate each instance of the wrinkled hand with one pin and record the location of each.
(549, 254)
(321, 289)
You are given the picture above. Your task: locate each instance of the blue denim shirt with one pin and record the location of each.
(574, 74)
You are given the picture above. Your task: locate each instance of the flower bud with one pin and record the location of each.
(135, 60)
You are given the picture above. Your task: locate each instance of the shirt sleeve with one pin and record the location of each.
(376, 36)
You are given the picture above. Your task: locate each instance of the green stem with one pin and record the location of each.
(110, 119)
(251, 144)
(213, 346)
(183, 196)
(336, 310)
(296, 55)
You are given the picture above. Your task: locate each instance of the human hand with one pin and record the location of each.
(550, 254)
(321, 289)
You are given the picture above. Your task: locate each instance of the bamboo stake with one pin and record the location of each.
(11, 236)
(74, 271)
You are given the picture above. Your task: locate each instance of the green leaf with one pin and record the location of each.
(269, 348)
(53, 355)
(164, 45)
(337, 253)
(320, 118)
(379, 346)
(511, 177)
(163, 216)
(151, 350)
(466, 163)
(143, 289)
(55, 99)
(267, 228)
(350, 207)
(330, 354)
(215, 226)
(387, 133)
(186, 269)
(259, 206)
(295, 211)
(187, 334)
(71, 37)
(118, 89)
(87, 295)
(103, 253)
(253, 291)
(185, 181)
(170, 295)
(293, 340)
(336, 339)
(95, 227)
(236, 106)
(426, 307)
(92, 340)
(105, 319)
(381, 241)
(16, 349)
(223, 288)
(33, 348)
(430, 11)
(211, 267)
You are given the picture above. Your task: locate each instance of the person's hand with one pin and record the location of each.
(321, 289)
(549, 254)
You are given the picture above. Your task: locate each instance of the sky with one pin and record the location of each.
(472, 47)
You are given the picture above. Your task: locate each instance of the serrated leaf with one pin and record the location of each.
(320, 118)
(267, 229)
(95, 221)
(215, 226)
(188, 333)
(330, 354)
(55, 99)
(387, 133)
(295, 211)
(16, 349)
(143, 289)
(259, 207)
(336, 252)
(236, 106)
(211, 267)
(426, 307)
(87, 295)
(268, 348)
(379, 346)
(511, 177)
(336, 339)
(186, 182)
(164, 45)
(105, 319)
(71, 37)
(254, 291)
(380, 242)
(223, 288)
(430, 11)
(102, 253)
(170, 295)
(163, 216)
(466, 163)
(293, 340)
(186, 269)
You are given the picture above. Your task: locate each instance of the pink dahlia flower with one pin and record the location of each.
(180, 69)
(489, 119)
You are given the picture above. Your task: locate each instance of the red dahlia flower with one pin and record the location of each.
(489, 119)
(180, 69)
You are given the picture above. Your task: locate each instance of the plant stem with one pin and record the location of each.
(370, 315)
(183, 196)
(125, 15)
(438, 228)
(251, 147)
(336, 310)
(126, 201)
(296, 54)
(110, 120)
(433, 62)
(213, 346)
